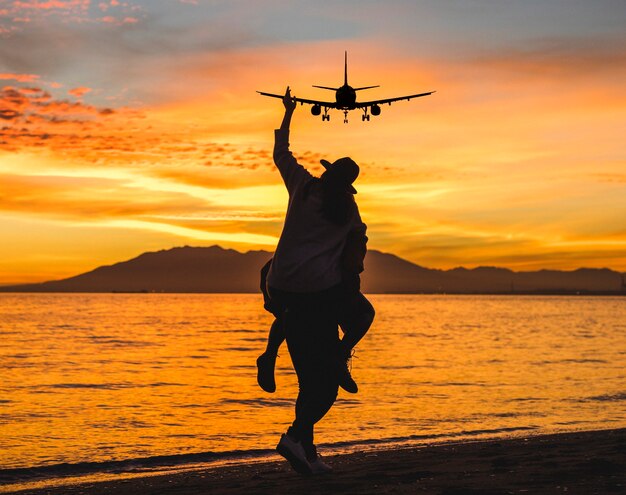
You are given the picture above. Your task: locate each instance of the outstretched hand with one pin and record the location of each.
(288, 101)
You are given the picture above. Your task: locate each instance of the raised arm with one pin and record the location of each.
(291, 171)
(290, 106)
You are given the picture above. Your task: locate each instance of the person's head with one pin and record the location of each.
(338, 190)
(341, 173)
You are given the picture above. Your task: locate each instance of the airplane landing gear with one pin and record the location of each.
(345, 116)
(325, 116)
(365, 115)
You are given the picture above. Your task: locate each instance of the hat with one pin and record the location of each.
(342, 171)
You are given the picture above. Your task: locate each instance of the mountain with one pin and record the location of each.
(214, 269)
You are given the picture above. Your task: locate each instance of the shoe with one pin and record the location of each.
(346, 381)
(265, 364)
(293, 451)
(320, 467)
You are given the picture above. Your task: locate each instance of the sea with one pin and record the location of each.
(107, 384)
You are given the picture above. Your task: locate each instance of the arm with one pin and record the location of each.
(290, 106)
(291, 171)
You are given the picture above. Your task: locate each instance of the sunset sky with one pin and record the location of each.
(131, 126)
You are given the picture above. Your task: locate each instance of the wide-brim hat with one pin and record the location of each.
(343, 171)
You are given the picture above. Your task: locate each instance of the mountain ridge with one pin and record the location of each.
(215, 269)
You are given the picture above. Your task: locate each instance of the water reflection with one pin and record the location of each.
(115, 376)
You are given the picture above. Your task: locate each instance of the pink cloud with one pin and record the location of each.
(109, 19)
(52, 4)
(17, 13)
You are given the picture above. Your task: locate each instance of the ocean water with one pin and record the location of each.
(123, 379)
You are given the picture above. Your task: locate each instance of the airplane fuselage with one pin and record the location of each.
(346, 98)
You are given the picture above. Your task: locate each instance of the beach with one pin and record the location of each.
(586, 462)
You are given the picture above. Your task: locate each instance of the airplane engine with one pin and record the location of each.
(316, 110)
(375, 110)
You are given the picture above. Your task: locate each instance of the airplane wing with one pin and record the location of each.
(326, 104)
(363, 104)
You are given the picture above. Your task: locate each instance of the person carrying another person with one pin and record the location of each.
(311, 290)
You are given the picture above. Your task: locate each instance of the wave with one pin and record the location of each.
(139, 464)
(618, 397)
(179, 461)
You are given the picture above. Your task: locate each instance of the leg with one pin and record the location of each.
(275, 338)
(356, 317)
(313, 341)
(355, 320)
(266, 362)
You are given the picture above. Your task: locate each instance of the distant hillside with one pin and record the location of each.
(214, 269)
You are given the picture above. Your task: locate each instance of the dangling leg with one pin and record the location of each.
(356, 323)
(356, 318)
(266, 362)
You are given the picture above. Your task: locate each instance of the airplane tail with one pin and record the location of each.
(345, 78)
(345, 75)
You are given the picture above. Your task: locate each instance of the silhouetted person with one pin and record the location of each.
(306, 288)
(355, 318)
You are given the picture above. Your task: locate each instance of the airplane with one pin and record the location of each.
(345, 99)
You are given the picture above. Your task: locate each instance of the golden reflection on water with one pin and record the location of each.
(94, 377)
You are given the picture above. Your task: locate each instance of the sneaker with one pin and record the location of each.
(346, 381)
(265, 364)
(293, 451)
(320, 467)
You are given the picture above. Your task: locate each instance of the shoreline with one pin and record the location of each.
(556, 293)
(585, 462)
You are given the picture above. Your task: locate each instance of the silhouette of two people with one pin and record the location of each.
(312, 286)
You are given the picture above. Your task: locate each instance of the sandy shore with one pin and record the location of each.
(574, 463)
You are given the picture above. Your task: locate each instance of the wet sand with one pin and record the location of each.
(592, 462)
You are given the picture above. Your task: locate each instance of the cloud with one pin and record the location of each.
(20, 77)
(35, 117)
(80, 91)
(521, 146)
(90, 198)
(69, 11)
(31, 106)
(572, 59)
(133, 204)
(50, 5)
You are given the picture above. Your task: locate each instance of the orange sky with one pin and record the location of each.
(124, 129)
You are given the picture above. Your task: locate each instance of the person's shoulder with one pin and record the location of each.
(307, 184)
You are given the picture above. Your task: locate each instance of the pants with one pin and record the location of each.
(311, 329)
(355, 312)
